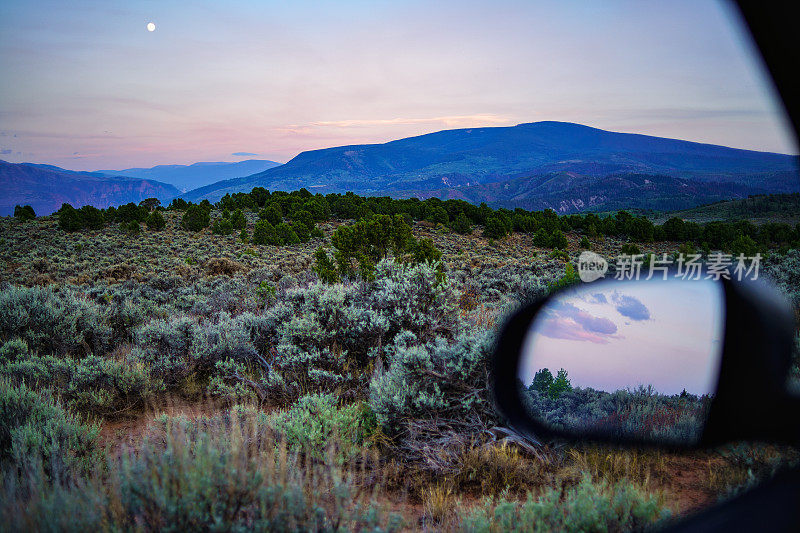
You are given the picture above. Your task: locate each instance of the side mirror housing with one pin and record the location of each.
(675, 363)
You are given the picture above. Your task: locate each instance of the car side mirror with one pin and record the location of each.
(663, 362)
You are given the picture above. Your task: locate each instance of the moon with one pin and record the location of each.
(151, 26)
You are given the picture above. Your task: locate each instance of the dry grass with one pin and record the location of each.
(439, 503)
(613, 465)
(491, 469)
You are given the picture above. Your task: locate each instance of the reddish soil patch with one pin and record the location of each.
(687, 489)
(129, 430)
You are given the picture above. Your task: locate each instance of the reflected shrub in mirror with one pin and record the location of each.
(642, 412)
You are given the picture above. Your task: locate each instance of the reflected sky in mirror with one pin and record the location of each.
(618, 335)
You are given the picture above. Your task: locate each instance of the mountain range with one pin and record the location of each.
(187, 177)
(544, 164)
(559, 165)
(46, 187)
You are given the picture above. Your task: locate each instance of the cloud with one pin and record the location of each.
(595, 324)
(568, 329)
(631, 307)
(598, 298)
(449, 121)
(6, 152)
(566, 321)
(242, 154)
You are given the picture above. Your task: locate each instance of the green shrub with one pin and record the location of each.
(155, 221)
(589, 506)
(585, 243)
(222, 226)
(150, 204)
(69, 219)
(550, 239)
(560, 385)
(13, 350)
(165, 345)
(99, 385)
(238, 220)
(437, 215)
(495, 228)
(178, 204)
(315, 422)
(302, 231)
(439, 385)
(542, 381)
(271, 214)
(36, 432)
(196, 218)
(244, 236)
(461, 224)
(687, 249)
(264, 233)
(303, 217)
(358, 248)
(286, 235)
(558, 240)
(24, 213)
(91, 217)
(131, 212)
(266, 291)
(630, 249)
(131, 228)
(324, 267)
(570, 277)
(744, 244)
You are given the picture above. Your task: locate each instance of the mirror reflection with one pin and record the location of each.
(626, 358)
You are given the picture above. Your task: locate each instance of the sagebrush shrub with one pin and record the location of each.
(13, 350)
(164, 346)
(315, 423)
(441, 381)
(36, 432)
(49, 321)
(97, 384)
(215, 474)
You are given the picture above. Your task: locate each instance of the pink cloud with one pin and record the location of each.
(569, 329)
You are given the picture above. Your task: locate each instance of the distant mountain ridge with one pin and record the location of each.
(566, 192)
(46, 187)
(186, 177)
(450, 160)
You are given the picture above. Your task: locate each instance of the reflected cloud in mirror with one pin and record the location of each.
(636, 359)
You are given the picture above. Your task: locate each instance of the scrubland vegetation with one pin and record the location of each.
(639, 413)
(337, 349)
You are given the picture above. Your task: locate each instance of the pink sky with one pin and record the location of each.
(617, 335)
(86, 86)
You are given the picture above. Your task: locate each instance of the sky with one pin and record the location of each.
(619, 335)
(86, 86)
